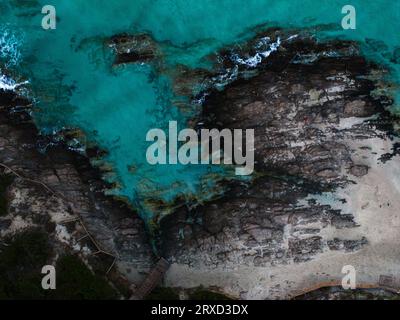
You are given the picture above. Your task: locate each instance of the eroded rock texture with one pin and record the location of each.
(59, 190)
(324, 193)
(133, 48)
(313, 110)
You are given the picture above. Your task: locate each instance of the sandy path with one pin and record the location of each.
(375, 203)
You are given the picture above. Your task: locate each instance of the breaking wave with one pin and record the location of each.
(8, 84)
(10, 56)
(265, 46)
(10, 46)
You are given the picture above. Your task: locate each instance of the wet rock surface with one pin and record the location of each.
(133, 48)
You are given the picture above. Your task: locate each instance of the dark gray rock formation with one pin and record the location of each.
(307, 102)
(60, 189)
(315, 111)
(133, 48)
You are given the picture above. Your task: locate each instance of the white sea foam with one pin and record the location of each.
(263, 48)
(292, 37)
(9, 84)
(255, 60)
(222, 80)
(10, 45)
(10, 55)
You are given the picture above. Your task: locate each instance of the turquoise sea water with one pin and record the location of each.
(73, 82)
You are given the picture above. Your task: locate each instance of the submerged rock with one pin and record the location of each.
(133, 48)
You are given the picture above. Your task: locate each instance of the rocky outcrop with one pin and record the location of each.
(315, 115)
(324, 193)
(296, 110)
(133, 48)
(337, 293)
(61, 191)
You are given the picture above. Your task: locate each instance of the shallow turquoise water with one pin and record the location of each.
(74, 84)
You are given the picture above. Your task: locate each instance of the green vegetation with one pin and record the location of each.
(163, 293)
(5, 181)
(21, 261)
(75, 281)
(203, 294)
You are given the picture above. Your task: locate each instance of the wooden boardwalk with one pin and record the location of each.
(152, 280)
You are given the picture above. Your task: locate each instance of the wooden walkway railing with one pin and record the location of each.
(152, 280)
